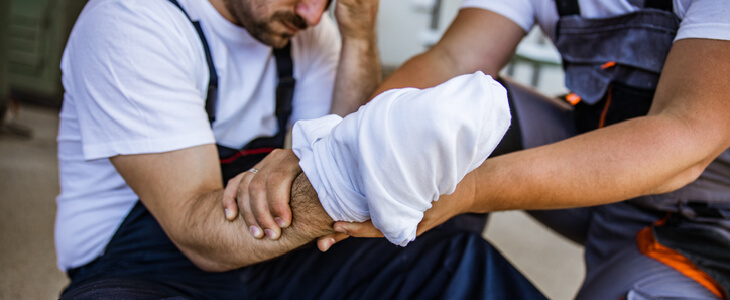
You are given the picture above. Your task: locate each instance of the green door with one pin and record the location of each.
(37, 35)
(4, 22)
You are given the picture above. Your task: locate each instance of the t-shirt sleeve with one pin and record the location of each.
(709, 19)
(316, 56)
(521, 12)
(134, 73)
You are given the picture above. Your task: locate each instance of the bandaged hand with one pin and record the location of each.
(399, 153)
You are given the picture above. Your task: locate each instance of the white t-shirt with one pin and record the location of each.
(136, 79)
(700, 18)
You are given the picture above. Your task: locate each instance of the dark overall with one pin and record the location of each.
(451, 261)
(613, 65)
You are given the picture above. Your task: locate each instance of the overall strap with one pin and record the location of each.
(284, 87)
(665, 5)
(212, 95)
(567, 7)
(571, 7)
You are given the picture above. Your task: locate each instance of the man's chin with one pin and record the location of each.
(281, 44)
(277, 41)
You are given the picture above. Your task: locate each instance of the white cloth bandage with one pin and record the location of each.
(389, 160)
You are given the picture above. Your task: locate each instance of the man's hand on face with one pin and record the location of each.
(263, 194)
(356, 18)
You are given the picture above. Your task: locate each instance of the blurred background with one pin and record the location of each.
(32, 37)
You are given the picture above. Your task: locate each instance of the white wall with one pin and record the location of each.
(402, 27)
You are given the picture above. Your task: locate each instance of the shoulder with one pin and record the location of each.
(122, 21)
(708, 19)
(130, 32)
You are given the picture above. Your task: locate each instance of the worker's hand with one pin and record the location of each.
(263, 196)
(356, 19)
(442, 210)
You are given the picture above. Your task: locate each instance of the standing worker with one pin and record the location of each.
(648, 174)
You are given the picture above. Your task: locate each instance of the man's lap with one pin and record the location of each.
(439, 264)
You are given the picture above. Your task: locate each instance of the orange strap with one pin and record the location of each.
(602, 121)
(673, 259)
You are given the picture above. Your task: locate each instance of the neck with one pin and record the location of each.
(222, 9)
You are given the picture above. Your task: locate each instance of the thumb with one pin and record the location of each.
(324, 243)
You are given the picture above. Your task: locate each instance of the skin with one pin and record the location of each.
(272, 23)
(686, 128)
(183, 190)
(358, 75)
(188, 209)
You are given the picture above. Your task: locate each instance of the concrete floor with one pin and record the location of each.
(29, 185)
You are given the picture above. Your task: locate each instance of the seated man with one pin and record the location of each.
(160, 95)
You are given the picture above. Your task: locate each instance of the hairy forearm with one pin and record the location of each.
(215, 244)
(358, 74)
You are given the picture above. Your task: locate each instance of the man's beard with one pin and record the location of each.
(261, 29)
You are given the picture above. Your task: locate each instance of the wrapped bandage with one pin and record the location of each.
(389, 160)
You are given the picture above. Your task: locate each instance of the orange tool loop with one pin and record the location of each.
(608, 65)
(649, 246)
(572, 98)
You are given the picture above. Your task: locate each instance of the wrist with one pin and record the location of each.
(359, 39)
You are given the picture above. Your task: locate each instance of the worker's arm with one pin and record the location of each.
(182, 189)
(686, 128)
(477, 39)
(359, 70)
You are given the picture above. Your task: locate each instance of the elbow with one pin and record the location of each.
(207, 263)
(202, 255)
(682, 178)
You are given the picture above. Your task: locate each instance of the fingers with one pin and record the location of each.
(230, 207)
(260, 209)
(278, 186)
(357, 18)
(244, 205)
(345, 230)
(364, 229)
(324, 243)
(266, 194)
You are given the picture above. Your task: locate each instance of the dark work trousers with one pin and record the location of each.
(448, 262)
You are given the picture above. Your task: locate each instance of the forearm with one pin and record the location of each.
(215, 244)
(422, 71)
(647, 155)
(477, 40)
(358, 74)
(359, 71)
